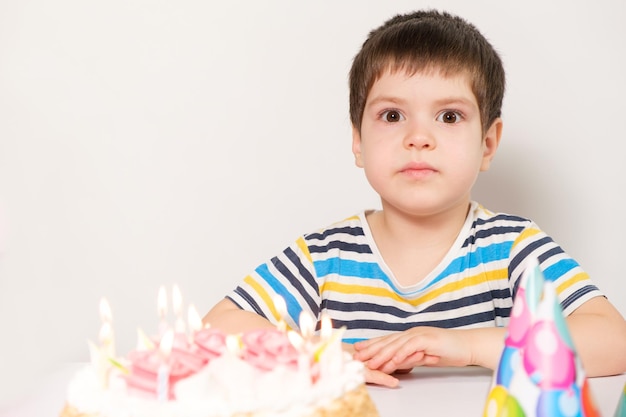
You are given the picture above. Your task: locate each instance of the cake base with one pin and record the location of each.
(356, 403)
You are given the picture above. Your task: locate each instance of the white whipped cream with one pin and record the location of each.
(225, 386)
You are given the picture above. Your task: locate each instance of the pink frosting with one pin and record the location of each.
(211, 342)
(263, 348)
(184, 360)
(266, 349)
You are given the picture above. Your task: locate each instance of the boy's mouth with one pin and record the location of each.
(418, 170)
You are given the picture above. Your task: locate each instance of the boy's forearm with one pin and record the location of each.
(600, 343)
(597, 329)
(228, 317)
(486, 345)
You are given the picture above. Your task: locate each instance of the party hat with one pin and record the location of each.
(539, 373)
(620, 411)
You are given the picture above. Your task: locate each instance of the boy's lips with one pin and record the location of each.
(418, 169)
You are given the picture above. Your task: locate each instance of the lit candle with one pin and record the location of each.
(307, 327)
(102, 354)
(162, 310)
(194, 322)
(327, 327)
(99, 364)
(329, 351)
(304, 359)
(105, 311)
(143, 341)
(233, 344)
(106, 340)
(177, 305)
(296, 340)
(281, 309)
(106, 335)
(163, 373)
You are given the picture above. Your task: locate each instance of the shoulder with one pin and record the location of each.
(347, 228)
(483, 215)
(347, 237)
(483, 223)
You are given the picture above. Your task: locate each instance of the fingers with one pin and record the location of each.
(377, 352)
(373, 376)
(396, 364)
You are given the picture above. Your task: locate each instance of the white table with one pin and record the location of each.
(424, 392)
(462, 392)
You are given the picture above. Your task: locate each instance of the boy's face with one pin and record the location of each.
(421, 142)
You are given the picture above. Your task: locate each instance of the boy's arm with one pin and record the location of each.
(588, 325)
(597, 329)
(599, 334)
(227, 316)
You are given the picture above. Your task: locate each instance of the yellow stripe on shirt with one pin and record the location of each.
(265, 297)
(581, 276)
(432, 294)
(524, 235)
(304, 249)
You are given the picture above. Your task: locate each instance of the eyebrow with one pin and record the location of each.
(460, 100)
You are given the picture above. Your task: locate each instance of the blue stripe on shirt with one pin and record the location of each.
(559, 269)
(293, 307)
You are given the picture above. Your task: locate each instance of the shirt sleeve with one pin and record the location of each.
(573, 285)
(289, 275)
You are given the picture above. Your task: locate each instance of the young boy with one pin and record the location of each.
(430, 278)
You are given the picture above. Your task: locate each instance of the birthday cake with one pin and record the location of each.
(204, 372)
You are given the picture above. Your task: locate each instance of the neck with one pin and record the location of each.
(420, 231)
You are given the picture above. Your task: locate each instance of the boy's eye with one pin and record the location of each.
(449, 116)
(392, 116)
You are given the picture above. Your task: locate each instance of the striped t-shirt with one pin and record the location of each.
(338, 270)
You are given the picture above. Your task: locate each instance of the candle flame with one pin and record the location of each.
(295, 339)
(307, 325)
(233, 344)
(193, 319)
(167, 341)
(162, 302)
(106, 333)
(281, 306)
(105, 311)
(177, 301)
(327, 327)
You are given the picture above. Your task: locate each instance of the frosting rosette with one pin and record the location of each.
(267, 349)
(211, 342)
(185, 359)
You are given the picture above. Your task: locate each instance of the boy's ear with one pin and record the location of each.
(356, 147)
(490, 143)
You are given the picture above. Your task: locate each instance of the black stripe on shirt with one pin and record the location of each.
(295, 281)
(250, 300)
(452, 323)
(577, 294)
(525, 253)
(341, 245)
(349, 230)
(487, 296)
(498, 230)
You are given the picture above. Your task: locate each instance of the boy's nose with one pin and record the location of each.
(419, 136)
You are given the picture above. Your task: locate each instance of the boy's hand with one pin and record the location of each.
(419, 346)
(373, 376)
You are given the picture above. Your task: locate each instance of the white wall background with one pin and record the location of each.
(152, 142)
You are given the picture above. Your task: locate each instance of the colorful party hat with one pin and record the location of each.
(539, 373)
(620, 411)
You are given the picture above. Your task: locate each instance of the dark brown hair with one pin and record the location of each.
(429, 41)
